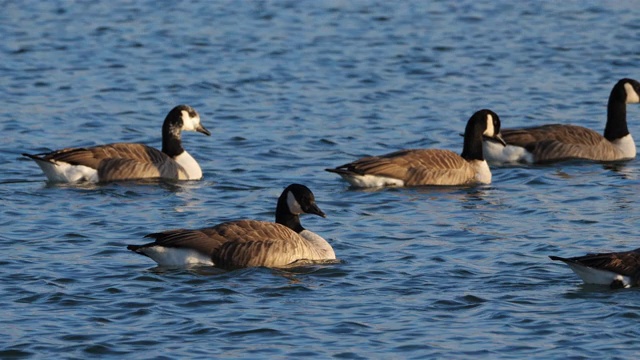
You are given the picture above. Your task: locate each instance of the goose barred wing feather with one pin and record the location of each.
(561, 142)
(205, 241)
(73, 156)
(126, 169)
(91, 156)
(264, 252)
(122, 161)
(569, 134)
(416, 167)
(242, 243)
(553, 150)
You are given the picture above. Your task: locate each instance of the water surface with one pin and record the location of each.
(288, 89)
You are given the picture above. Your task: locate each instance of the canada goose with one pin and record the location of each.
(556, 142)
(429, 166)
(128, 161)
(617, 269)
(246, 243)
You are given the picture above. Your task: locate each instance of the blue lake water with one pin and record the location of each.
(289, 88)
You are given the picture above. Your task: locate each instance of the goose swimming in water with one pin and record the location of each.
(429, 166)
(557, 142)
(615, 269)
(129, 161)
(246, 243)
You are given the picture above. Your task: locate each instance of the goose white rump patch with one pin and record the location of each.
(370, 181)
(178, 257)
(596, 276)
(64, 172)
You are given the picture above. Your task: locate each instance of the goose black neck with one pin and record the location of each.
(171, 140)
(285, 217)
(616, 127)
(472, 148)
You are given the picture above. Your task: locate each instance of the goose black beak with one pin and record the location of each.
(496, 138)
(314, 209)
(499, 138)
(202, 129)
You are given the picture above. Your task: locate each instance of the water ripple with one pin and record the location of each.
(288, 89)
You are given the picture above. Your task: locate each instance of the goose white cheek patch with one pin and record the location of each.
(293, 204)
(632, 95)
(189, 123)
(490, 130)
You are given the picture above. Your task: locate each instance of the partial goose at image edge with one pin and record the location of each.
(613, 269)
(551, 143)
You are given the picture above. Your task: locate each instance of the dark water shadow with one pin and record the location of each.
(583, 291)
(167, 184)
(299, 268)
